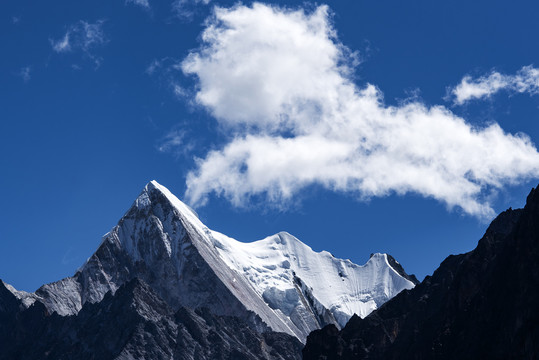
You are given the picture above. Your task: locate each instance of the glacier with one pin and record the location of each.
(278, 283)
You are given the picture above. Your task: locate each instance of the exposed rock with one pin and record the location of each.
(480, 305)
(134, 323)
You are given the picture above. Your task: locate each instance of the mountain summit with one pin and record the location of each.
(277, 283)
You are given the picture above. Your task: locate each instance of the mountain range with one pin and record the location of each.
(163, 285)
(483, 304)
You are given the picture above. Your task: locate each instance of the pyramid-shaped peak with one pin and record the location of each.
(154, 185)
(145, 196)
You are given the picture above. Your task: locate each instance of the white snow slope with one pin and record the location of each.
(278, 282)
(340, 286)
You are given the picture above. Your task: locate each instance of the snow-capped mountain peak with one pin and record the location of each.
(278, 282)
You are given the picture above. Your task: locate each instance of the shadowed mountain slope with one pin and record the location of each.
(480, 305)
(134, 323)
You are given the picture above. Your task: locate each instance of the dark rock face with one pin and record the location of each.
(480, 305)
(398, 268)
(134, 323)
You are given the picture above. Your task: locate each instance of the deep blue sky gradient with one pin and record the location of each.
(78, 141)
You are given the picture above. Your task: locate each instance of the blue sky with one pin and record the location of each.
(357, 126)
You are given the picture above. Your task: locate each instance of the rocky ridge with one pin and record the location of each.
(134, 323)
(480, 305)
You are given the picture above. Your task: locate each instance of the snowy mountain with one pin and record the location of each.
(277, 283)
(483, 304)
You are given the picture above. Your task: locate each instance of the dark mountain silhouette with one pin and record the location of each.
(480, 305)
(134, 323)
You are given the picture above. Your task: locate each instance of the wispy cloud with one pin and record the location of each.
(68, 257)
(81, 36)
(176, 142)
(24, 73)
(61, 45)
(280, 83)
(526, 80)
(185, 9)
(156, 65)
(167, 70)
(142, 3)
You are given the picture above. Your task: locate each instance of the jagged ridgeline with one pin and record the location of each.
(480, 305)
(163, 285)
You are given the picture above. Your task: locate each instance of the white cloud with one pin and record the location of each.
(185, 9)
(153, 67)
(279, 81)
(142, 3)
(61, 45)
(24, 73)
(81, 36)
(166, 65)
(166, 70)
(176, 142)
(171, 141)
(525, 80)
